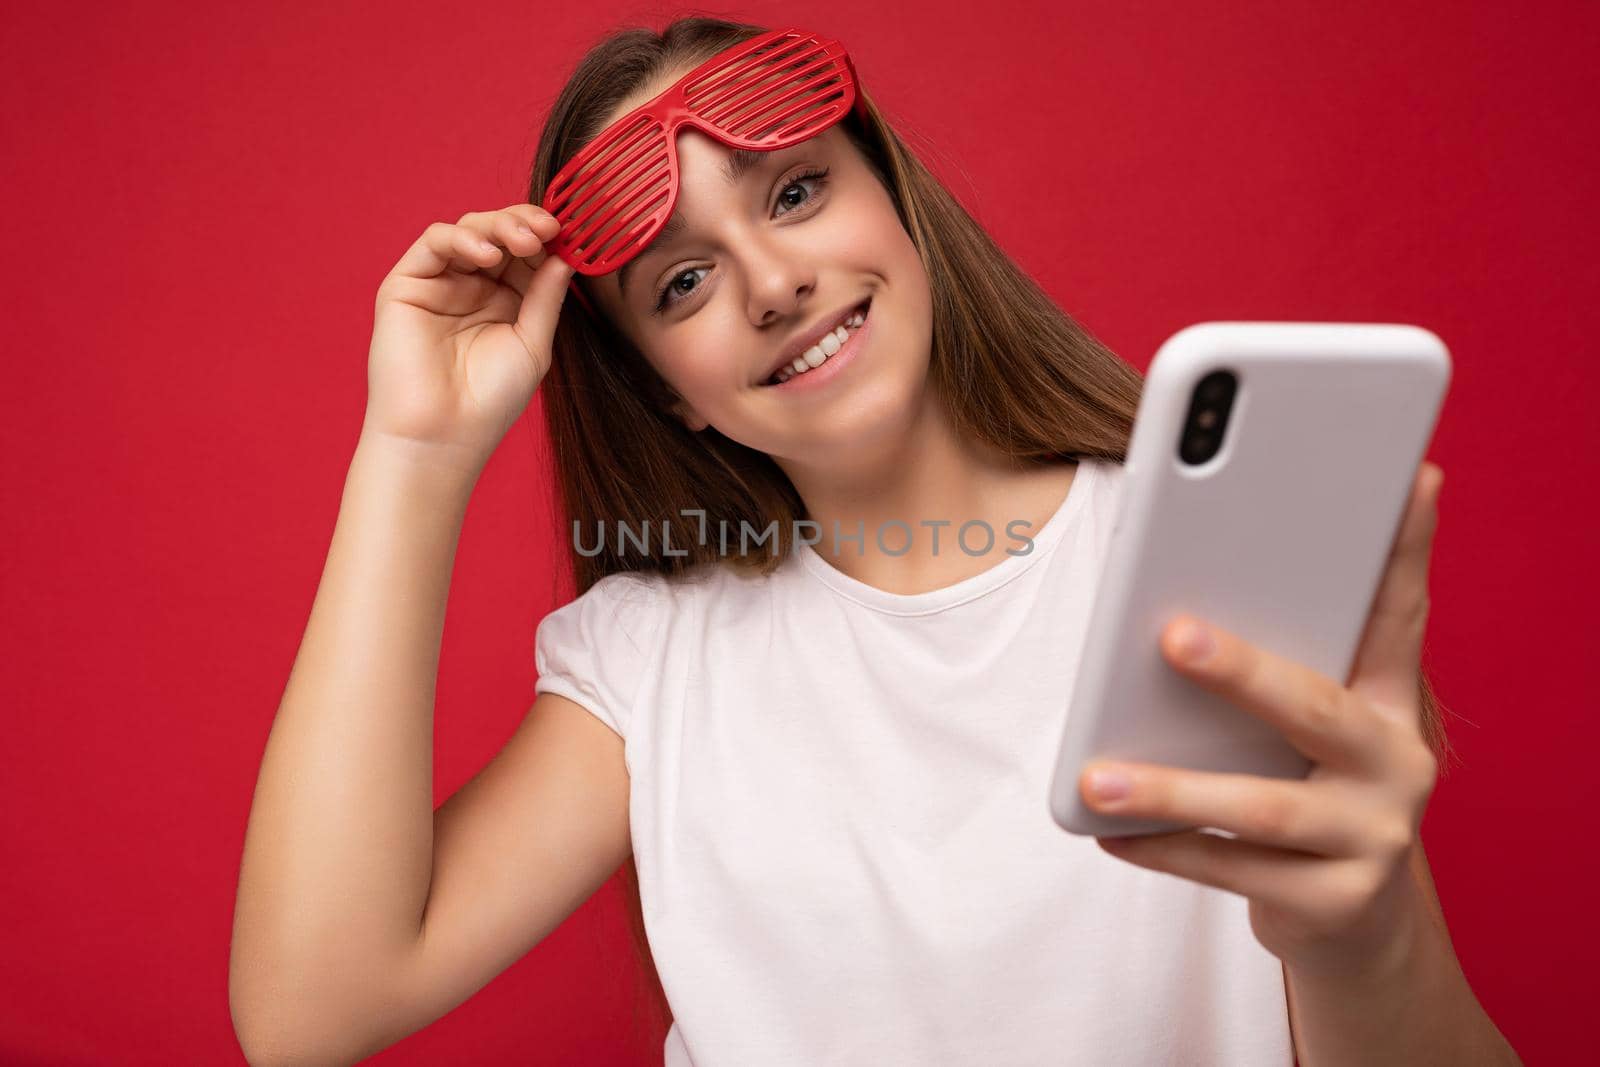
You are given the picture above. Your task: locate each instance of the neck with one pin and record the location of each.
(915, 475)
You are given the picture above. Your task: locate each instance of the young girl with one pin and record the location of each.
(842, 480)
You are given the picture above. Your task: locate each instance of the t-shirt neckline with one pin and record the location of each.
(970, 588)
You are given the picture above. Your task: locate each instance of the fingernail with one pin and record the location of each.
(488, 246)
(1109, 784)
(524, 230)
(1195, 642)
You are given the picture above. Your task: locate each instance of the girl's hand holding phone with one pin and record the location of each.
(1326, 862)
(462, 333)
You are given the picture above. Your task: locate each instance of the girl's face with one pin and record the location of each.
(794, 243)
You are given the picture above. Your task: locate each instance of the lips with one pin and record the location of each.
(840, 319)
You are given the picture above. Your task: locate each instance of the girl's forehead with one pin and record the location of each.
(645, 93)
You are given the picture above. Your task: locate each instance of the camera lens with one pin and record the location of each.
(1207, 418)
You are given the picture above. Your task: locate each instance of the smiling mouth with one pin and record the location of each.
(817, 356)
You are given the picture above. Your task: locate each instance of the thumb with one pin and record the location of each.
(542, 302)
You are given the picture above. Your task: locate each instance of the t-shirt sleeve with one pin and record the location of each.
(596, 649)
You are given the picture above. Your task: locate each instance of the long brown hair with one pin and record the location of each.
(1010, 366)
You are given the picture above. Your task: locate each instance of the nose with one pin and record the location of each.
(780, 276)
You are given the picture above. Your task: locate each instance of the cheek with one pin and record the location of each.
(873, 241)
(859, 237)
(693, 369)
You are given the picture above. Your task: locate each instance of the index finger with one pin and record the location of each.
(1312, 711)
(481, 241)
(522, 230)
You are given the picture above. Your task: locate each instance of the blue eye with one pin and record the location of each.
(668, 296)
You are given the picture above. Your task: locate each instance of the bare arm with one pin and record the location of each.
(363, 914)
(338, 851)
(344, 856)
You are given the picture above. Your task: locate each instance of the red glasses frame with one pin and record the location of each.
(769, 92)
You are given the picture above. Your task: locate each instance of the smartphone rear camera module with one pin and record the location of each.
(1206, 423)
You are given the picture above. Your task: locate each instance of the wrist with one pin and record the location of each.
(425, 468)
(1383, 950)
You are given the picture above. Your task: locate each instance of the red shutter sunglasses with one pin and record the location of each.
(763, 94)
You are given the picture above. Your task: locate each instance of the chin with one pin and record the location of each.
(880, 409)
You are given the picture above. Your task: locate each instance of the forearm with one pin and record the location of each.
(338, 850)
(1414, 1007)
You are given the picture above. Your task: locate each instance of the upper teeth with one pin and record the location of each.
(817, 353)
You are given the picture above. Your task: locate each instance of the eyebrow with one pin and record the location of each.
(740, 162)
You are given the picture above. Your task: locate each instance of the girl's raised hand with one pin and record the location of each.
(462, 331)
(1326, 862)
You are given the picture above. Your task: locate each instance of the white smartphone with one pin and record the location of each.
(1268, 471)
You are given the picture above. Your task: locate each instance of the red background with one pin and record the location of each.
(202, 201)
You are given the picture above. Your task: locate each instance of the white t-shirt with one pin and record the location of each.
(840, 821)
